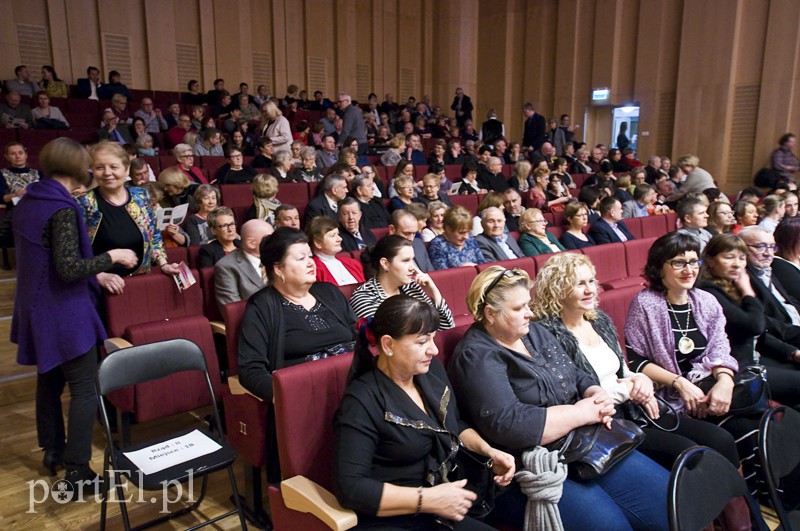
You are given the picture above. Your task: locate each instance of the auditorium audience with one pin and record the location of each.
(454, 247)
(675, 334)
(226, 239)
(282, 168)
(14, 113)
(307, 171)
(469, 179)
(333, 189)
(58, 328)
(46, 116)
(786, 264)
(172, 235)
(404, 188)
(177, 189)
(209, 144)
(207, 198)
(494, 242)
(88, 86)
(565, 298)
(327, 155)
(431, 191)
(644, 197)
(18, 175)
(240, 274)
(784, 160)
(576, 216)
(117, 216)
(512, 209)
(609, 228)
(276, 127)
(493, 179)
(517, 386)
(537, 194)
(404, 223)
(395, 474)
(264, 158)
(491, 199)
(326, 242)
(185, 156)
(265, 203)
(22, 83)
(790, 202)
(535, 239)
(697, 179)
(154, 121)
(287, 216)
(114, 87)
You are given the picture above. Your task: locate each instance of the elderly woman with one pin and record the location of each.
(326, 242)
(185, 156)
(172, 235)
(58, 328)
(393, 155)
(404, 186)
(276, 127)
(394, 472)
(392, 261)
(720, 218)
(565, 302)
(265, 202)
(534, 238)
(119, 106)
(749, 329)
(226, 239)
(307, 172)
(454, 247)
(746, 215)
(436, 210)
(177, 188)
(675, 335)
(581, 164)
(235, 171)
(207, 198)
(117, 217)
(349, 157)
(519, 389)
(44, 110)
(282, 168)
(577, 217)
(404, 168)
(373, 214)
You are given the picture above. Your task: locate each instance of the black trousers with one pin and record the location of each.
(665, 447)
(784, 382)
(76, 443)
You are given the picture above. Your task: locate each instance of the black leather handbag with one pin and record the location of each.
(477, 470)
(750, 390)
(669, 419)
(591, 451)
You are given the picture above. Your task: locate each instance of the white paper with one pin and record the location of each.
(171, 216)
(184, 279)
(455, 188)
(172, 452)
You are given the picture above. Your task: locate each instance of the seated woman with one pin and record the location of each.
(454, 247)
(436, 210)
(786, 264)
(556, 189)
(265, 202)
(565, 302)
(226, 239)
(119, 106)
(393, 156)
(394, 473)
(746, 215)
(519, 389)
(577, 217)
(240, 141)
(325, 241)
(45, 110)
(724, 275)
(145, 145)
(392, 261)
(622, 188)
(294, 319)
(534, 238)
(172, 235)
(537, 195)
(185, 156)
(404, 186)
(282, 168)
(469, 179)
(560, 170)
(177, 189)
(307, 172)
(234, 171)
(207, 198)
(720, 218)
(120, 217)
(675, 335)
(772, 209)
(403, 168)
(348, 155)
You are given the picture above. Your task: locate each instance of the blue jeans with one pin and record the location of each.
(632, 495)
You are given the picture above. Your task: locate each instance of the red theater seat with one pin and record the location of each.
(634, 226)
(237, 195)
(609, 262)
(293, 193)
(653, 226)
(526, 264)
(615, 303)
(447, 340)
(454, 285)
(210, 306)
(176, 255)
(636, 255)
(470, 202)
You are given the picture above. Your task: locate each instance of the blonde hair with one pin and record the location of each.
(555, 282)
(119, 98)
(397, 141)
(687, 160)
(402, 180)
(478, 299)
(492, 199)
(270, 110)
(173, 177)
(526, 219)
(265, 186)
(114, 148)
(457, 218)
(523, 170)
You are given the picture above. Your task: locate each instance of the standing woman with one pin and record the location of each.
(118, 216)
(276, 127)
(58, 328)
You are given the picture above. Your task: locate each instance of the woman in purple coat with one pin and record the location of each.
(55, 324)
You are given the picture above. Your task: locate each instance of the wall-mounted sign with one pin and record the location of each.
(600, 94)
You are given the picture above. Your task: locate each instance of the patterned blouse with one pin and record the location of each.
(445, 255)
(367, 297)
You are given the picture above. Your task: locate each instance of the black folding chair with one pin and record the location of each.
(143, 363)
(700, 485)
(779, 452)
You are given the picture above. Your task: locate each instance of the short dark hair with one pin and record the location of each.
(89, 70)
(273, 248)
(606, 204)
(469, 166)
(190, 83)
(243, 84)
(219, 80)
(113, 74)
(284, 208)
(263, 141)
(348, 200)
(665, 248)
(686, 207)
(787, 236)
(18, 69)
(65, 157)
(641, 191)
(208, 133)
(785, 138)
(589, 195)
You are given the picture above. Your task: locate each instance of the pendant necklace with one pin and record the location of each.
(685, 344)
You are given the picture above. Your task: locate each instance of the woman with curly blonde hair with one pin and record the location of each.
(564, 301)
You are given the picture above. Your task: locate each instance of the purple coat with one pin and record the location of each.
(54, 321)
(648, 331)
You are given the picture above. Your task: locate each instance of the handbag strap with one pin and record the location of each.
(670, 409)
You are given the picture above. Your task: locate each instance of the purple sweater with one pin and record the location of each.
(648, 332)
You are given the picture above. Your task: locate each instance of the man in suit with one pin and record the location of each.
(494, 242)
(493, 179)
(431, 185)
(113, 130)
(334, 189)
(88, 86)
(643, 197)
(513, 209)
(354, 236)
(240, 274)
(405, 224)
(463, 106)
(609, 228)
(534, 132)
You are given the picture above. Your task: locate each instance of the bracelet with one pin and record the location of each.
(725, 373)
(419, 503)
(675, 380)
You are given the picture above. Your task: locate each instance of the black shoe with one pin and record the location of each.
(82, 476)
(53, 460)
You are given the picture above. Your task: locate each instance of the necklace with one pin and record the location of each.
(685, 344)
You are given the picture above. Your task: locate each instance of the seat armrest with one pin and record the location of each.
(303, 495)
(237, 388)
(217, 327)
(115, 343)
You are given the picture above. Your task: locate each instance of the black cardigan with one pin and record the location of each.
(263, 331)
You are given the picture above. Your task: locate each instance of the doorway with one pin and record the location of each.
(629, 115)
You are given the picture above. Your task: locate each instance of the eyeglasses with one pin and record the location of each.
(227, 226)
(679, 265)
(190, 156)
(507, 273)
(764, 247)
(539, 220)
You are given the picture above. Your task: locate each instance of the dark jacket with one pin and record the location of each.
(373, 214)
(349, 240)
(534, 133)
(601, 232)
(211, 253)
(492, 251)
(319, 207)
(788, 275)
(421, 256)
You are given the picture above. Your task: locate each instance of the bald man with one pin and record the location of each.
(240, 274)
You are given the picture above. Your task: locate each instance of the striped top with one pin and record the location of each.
(367, 297)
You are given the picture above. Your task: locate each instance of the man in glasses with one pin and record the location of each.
(780, 307)
(693, 214)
